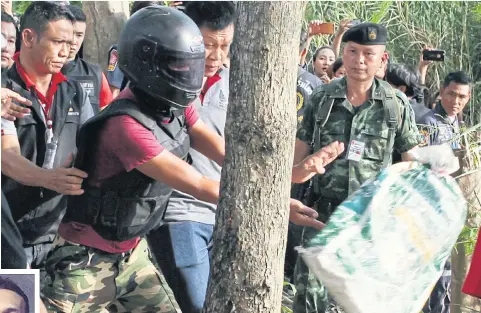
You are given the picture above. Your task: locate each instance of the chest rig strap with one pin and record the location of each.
(391, 114)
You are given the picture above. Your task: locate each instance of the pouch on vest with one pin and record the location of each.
(130, 204)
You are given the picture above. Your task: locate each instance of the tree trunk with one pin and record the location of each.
(470, 185)
(251, 220)
(104, 23)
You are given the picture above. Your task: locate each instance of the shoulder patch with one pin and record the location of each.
(113, 60)
(300, 101)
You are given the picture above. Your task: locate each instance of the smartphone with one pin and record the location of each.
(323, 28)
(355, 22)
(433, 55)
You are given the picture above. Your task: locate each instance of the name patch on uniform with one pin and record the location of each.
(72, 112)
(356, 150)
(113, 60)
(88, 86)
(424, 137)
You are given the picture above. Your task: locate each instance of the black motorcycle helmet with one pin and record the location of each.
(162, 53)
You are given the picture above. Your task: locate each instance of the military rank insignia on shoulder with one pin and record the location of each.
(300, 100)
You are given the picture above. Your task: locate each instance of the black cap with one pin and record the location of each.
(366, 34)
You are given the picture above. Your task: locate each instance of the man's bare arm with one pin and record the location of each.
(301, 151)
(315, 163)
(178, 174)
(14, 165)
(207, 142)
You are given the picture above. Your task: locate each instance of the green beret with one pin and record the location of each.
(366, 34)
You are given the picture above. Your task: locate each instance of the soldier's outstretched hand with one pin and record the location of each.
(315, 163)
(303, 216)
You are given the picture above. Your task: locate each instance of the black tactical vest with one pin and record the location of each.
(89, 76)
(130, 204)
(36, 210)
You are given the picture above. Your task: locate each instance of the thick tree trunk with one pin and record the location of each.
(104, 23)
(252, 216)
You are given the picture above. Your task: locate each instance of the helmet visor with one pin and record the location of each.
(185, 73)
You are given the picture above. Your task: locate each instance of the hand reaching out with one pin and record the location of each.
(303, 216)
(10, 110)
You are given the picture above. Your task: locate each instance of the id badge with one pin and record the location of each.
(356, 149)
(50, 155)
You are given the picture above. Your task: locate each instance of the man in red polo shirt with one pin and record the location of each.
(35, 147)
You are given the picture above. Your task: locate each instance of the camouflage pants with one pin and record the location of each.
(82, 279)
(311, 295)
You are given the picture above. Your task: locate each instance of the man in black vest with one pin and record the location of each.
(135, 151)
(89, 75)
(35, 147)
(13, 254)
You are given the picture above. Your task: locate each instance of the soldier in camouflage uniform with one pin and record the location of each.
(371, 120)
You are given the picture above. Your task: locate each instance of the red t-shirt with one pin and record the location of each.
(472, 284)
(124, 144)
(105, 92)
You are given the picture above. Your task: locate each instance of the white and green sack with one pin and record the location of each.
(385, 247)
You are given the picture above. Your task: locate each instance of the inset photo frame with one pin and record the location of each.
(19, 291)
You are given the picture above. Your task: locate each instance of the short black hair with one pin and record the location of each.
(403, 75)
(459, 77)
(337, 65)
(320, 49)
(77, 13)
(7, 18)
(138, 5)
(40, 13)
(7, 284)
(214, 15)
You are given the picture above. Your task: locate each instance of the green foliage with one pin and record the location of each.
(468, 237)
(20, 6)
(451, 26)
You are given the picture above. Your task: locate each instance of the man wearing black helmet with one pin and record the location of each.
(183, 243)
(135, 151)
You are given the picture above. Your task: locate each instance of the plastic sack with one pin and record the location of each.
(385, 247)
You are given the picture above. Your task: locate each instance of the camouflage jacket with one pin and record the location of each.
(346, 123)
(437, 129)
